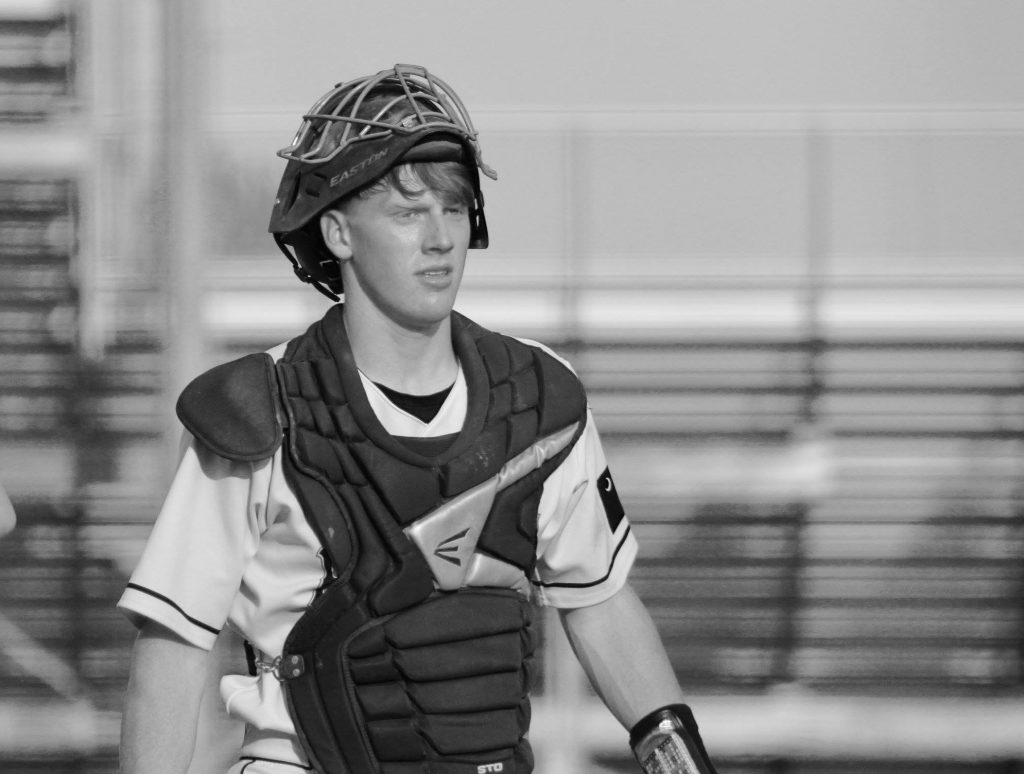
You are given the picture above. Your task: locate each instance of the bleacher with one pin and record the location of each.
(894, 570)
(67, 424)
(37, 63)
(866, 543)
(64, 655)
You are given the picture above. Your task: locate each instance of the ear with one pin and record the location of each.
(336, 234)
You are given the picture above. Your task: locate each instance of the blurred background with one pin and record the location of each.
(781, 242)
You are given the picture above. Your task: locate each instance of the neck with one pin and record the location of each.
(417, 361)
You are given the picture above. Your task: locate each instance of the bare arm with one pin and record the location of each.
(158, 727)
(620, 650)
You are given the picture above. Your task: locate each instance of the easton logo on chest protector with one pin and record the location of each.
(446, 548)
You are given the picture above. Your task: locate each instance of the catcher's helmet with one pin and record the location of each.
(351, 137)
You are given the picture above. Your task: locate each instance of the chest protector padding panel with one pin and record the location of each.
(390, 670)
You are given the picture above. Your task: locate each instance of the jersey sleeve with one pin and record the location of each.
(585, 546)
(205, 534)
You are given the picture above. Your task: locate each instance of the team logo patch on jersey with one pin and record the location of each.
(610, 499)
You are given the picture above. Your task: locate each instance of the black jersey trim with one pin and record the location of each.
(589, 584)
(171, 603)
(254, 759)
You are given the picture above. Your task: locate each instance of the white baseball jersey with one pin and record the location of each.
(231, 547)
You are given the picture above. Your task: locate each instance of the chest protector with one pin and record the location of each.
(416, 656)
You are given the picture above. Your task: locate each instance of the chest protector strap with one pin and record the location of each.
(416, 657)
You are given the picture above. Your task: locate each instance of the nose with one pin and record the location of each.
(438, 238)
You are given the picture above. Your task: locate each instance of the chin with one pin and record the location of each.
(425, 319)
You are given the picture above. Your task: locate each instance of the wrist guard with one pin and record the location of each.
(667, 741)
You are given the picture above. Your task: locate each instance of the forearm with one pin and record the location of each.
(619, 648)
(158, 727)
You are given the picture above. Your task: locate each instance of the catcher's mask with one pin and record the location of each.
(351, 137)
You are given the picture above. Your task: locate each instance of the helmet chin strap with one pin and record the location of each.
(301, 272)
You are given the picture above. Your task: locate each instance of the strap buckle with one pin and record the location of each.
(282, 667)
(272, 667)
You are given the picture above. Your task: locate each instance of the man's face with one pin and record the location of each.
(406, 255)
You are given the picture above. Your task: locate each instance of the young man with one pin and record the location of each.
(375, 505)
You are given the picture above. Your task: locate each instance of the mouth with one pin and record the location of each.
(437, 278)
(435, 271)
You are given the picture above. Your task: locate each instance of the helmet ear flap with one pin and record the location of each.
(311, 261)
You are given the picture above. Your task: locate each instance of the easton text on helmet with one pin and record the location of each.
(343, 176)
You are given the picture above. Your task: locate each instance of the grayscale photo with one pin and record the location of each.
(527, 388)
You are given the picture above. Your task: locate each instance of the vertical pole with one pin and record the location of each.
(808, 428)
(819, 228)
(1018, 518)
(571, 216)
(564, 678)
(119, 76)
(183, 243)
(93, 20)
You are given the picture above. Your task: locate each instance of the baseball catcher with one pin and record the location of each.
(376, 506)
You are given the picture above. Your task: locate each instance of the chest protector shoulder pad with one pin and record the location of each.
(234, 409)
